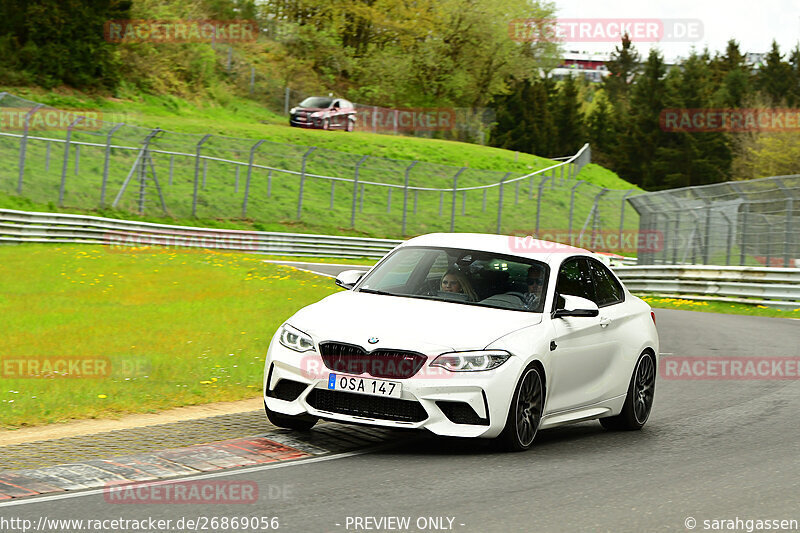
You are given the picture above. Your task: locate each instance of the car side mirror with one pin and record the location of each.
(349, 278)
(569, 305)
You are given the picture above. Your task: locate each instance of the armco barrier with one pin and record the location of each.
(776, 287)
(22, 227)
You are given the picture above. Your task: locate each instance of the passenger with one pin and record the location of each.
(455, 281)
(534, 296)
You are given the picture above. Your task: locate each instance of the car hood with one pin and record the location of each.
(426, 326)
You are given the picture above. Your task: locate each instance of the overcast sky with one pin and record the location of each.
(754, 24)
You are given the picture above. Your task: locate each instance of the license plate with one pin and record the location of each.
(373, 387)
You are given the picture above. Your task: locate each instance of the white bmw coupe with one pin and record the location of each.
(469, 335)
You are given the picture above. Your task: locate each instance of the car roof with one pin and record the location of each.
(524, 247)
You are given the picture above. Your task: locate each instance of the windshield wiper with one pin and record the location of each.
(373, 291)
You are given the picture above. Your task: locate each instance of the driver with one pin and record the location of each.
(535, 281)
(455, 281)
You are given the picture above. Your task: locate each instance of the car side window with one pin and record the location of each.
(609, 291)
(575, 278)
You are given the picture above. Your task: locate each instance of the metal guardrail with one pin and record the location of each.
(776, 287)
(26, 227)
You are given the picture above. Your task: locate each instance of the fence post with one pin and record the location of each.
(106, 163)
(249, 177)
(621, 214)
(706, 239)
(47, 158)
(286, 101)
(787, 243)
(66, 161)
(539, 199)
(23, 145)
(416, 194)
(374, 118)
(197, 173)
(500, 203)
(303, 181)
(355, 193)
(171, 167)
(405, 197)
(455, 195)
(236, 181)
(572, 207)
(252, 80)
(143, 170)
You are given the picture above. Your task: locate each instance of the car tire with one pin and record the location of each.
(639, 400)
(299, 423)
(351, 124)
(524, 413)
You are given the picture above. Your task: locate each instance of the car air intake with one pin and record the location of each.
(461, 413)
(378, 407)
(288, 390)
(381, 363)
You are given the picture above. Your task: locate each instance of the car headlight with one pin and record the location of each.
(292, 111)
(471, 361)
(296, 340)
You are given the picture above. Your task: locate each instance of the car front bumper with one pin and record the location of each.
(458, 404)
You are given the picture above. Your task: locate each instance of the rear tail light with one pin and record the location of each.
(653, 316)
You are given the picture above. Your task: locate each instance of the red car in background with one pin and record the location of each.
(325, 113)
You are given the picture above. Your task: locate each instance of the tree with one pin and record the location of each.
(568, 118)
(61, 41)
(524, 121)
(622, 69)
(774, 78)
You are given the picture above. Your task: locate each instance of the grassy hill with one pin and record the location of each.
(236, 123)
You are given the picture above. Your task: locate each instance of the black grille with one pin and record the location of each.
(288, 390)
(348, 403)
(461, 413)
(381, 363)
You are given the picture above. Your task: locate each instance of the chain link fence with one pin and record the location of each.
(83, 162)
(752, 222)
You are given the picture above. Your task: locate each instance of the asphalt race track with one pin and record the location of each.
(712, 450)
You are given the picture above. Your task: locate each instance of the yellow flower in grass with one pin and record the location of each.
(206, 382)
(102, 396)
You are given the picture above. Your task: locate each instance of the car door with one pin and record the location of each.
(336, 114)
(583, 348)
(616, 319)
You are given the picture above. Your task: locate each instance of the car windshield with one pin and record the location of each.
(316, 101)
(469, 277)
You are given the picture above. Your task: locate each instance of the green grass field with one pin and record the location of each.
(178, 327)
(273, 196)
